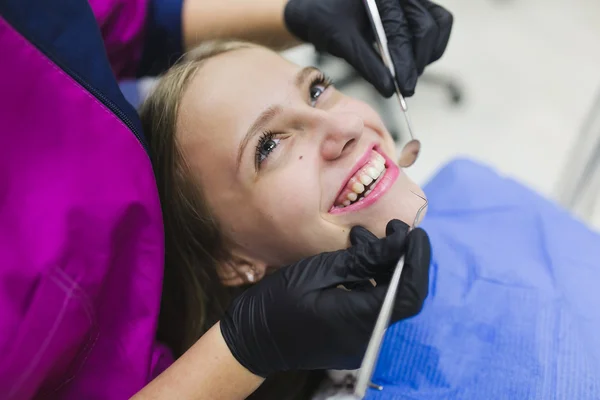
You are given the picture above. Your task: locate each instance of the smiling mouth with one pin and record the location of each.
(368, 183)
(361, 184)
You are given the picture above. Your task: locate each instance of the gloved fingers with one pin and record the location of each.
(358, 286)
(444, 21)
(351, 317)
(340, 270)
(369, 258)
(425, 32)
(356, 308)
(362, 307)
(376, 258)
(395, 225)
(400, 44)
(418, 253)
(358, 52)
(414, 281)
(326, 270)
(360, 235)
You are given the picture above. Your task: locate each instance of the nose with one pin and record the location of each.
(340, 132)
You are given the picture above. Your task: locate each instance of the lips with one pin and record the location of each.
(371, 177)
(363, 181)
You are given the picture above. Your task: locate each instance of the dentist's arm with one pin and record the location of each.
(207, 371)
(298, 319)
(258, 21)
(145, 37)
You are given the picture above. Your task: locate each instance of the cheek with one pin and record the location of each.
(290, 195)
(280, 213)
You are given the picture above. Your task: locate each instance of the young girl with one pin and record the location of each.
(270, 163)
(267, 163)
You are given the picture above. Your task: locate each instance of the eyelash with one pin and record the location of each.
(320, 80)
(264, 138)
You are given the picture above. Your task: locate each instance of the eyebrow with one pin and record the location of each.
(269, 113)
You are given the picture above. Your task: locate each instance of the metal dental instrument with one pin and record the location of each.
(411, 149)
(363, 380)
(409, 154)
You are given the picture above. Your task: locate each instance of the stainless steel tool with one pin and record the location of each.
(411, 149)
(363, 380)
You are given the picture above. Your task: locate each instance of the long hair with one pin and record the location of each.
(193, 297)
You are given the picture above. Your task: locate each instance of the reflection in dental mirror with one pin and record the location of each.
(409, 153)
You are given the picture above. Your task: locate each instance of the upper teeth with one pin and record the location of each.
(362, 181)
(373, 172)
(364, 178)
(358, 187)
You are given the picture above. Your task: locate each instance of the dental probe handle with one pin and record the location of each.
(363, 380)
(380, 36)
(372, 354)
(382, 43)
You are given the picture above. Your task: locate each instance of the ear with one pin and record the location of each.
(238, 271)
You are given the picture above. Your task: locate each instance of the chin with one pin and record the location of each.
(402, 204)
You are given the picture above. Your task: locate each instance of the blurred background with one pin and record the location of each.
(518, 89)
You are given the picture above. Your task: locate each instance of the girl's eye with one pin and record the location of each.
(315, 93)
(266, 145)
(319, 84)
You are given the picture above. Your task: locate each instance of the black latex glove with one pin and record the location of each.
(297, 318)
(417, 33)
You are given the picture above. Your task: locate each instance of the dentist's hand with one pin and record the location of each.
(417, 33)
(298, 319)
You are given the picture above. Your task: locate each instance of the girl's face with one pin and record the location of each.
(286, 162)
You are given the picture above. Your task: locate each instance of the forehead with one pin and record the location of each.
(230, 90)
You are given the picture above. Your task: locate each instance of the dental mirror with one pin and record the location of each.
(409, 153)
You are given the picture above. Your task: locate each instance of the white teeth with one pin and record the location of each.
(379, 166)
(365, 179)
(358, 187)
(373, 172)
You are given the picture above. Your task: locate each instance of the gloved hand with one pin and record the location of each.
(417, 32)
(298, 319)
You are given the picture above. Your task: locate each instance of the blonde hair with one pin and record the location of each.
(193, 296)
